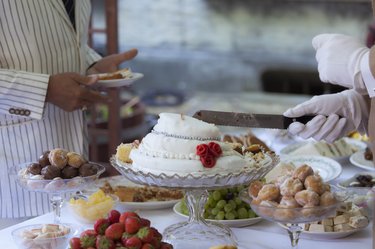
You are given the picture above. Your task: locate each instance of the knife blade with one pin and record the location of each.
(249, 119)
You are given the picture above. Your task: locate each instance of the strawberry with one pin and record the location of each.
(115, 231)
(132, 224)
(114, 216)
(125, 236)
(88, 238)
(102, 242)
(125, 215)
(145, 222)
(119, 245)
(157, 235)
(145, 234)
(75, 243)
(147, 246)
(155, 242)
(165, 245)
(133, 243)
(101, 225)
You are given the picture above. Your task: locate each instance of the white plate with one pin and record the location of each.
(148, 205)
(358, 159)
(230, 223)
(119, 82)
(358, 145)
(325, 235)
(328, 168)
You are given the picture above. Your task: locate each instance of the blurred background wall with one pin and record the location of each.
(226, 45)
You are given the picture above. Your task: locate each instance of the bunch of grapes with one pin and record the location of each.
(224, 204)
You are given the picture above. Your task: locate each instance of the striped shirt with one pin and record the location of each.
(37, 39)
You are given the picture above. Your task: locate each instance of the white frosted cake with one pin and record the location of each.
(184, 145)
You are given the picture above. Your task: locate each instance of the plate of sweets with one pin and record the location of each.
(139, 197)
(224, 206)
(363, 159)
(349, 219)
(123, 77)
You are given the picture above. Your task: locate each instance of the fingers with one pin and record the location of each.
(91, 97)
(128, 55)
(340, 129)
(313, 126)
(329, 126)
(85, 80)
(305, 108)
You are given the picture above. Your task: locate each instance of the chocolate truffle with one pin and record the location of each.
(88, 169)
(75, 160)
(58, 158)
(43, 159)
(49, 172)
(69, 172)
(34, 168)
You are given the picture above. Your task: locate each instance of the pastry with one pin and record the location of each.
(305, 197)
(43, 159)
(289, 202)
(58, 158)
(327, 199)
(254, 188)
(269, 192)
(284, 213)
(302, 172)
(75, 160)
(34, 168)
(291, 186)
(125, 73)
(49, 172)
(123, 152)
(88, 169)
(315, 183)
(69, 172)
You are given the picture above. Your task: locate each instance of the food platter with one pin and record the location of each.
(119, 82)
(328, 168)
(358, 159)
(230, 223)
(325, 235)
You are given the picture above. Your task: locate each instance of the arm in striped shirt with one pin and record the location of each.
(23, 90)
(91, 56)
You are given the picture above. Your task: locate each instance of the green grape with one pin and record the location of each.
(220, 215)
(228, 207)
(184, 208)
(216, 195)
(233, 203)
(215, 211)
(211, 217)
(235, 213)
(252, 214)
(220, 204)
(240, 188)
(242, 213)
(211, 202)
(238, 201)
(223, 191)
(206, 215)
(230, 216)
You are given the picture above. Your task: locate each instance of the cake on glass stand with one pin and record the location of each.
(196, 231)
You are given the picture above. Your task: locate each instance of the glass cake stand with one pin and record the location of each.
(196, 232)
(56, 188)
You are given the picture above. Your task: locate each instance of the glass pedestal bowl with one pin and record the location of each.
(196, 232)
(55, 188)
(293, 217)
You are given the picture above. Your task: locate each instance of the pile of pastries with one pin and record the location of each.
(300, 188)
(57, 164)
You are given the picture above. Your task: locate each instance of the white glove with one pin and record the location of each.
(336, 115)
(339, 60)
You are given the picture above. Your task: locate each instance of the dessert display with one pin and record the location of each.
(184, 145)
(368, 154)
(363, 180)
(93, 207)
(339, 148)
(348, 217)
(125, 73)
(120, 230)
(245, 140)
(142, 193)
(46, 236)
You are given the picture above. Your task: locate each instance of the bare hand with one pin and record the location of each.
(110, 63)
(69, 91)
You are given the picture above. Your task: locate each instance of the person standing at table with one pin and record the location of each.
(44, 58)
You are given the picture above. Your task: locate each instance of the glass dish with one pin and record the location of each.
(59, 242)
(293, 216)
(56, 188)
(197, 232)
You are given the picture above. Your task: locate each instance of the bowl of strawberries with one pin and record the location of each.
(120, 230)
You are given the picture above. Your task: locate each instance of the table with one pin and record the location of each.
(263, 235)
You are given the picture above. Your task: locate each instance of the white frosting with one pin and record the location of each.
(172, 149)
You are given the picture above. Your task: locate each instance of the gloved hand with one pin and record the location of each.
(339, 60)
(336, 115)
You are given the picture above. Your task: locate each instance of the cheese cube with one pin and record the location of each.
(342, 228)
(327, 222)
(328, 228)
(344, 218)
(316, 228)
